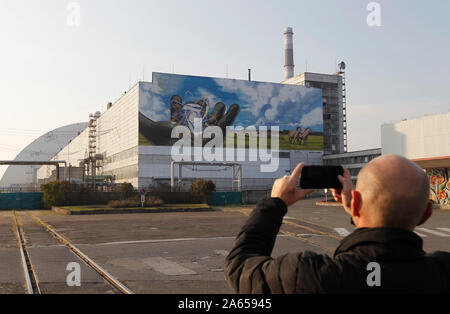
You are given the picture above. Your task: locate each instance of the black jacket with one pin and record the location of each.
(404, 266)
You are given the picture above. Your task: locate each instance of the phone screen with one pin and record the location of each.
(321, 177)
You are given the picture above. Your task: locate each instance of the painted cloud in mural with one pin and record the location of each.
(276, 104)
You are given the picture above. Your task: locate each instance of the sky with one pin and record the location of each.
(53, 73)
(260, 103)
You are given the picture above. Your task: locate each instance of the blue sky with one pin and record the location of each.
(261, 103)
(52, 74)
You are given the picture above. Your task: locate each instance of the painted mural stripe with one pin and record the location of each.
(444, 229)
(342, 232)
(437, 233)
(167, 267)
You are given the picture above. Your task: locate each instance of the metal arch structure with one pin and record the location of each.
(236, 179)
(35, 163)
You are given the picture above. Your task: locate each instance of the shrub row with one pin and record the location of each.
(64, 193)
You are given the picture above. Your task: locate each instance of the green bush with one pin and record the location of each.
(63, 193)
(202, 188)
(126, 189)
(55, 193)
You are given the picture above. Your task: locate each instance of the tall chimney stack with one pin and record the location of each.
(288, 53)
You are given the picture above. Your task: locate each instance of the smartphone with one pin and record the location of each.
(321, 177)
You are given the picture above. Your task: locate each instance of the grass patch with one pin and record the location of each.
(105, 208)
(315, 142)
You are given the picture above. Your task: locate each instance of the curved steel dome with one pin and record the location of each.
(41, 149)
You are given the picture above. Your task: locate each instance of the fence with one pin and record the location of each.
(22, 189)
(28, 201)
(226, 198)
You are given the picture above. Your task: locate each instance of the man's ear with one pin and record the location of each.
(427, 214)
(356, 203)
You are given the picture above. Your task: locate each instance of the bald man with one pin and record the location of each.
(382, 255)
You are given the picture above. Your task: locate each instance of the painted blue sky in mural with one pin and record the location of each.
(261, 103)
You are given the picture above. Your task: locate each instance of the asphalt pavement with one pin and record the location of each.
(166, 252)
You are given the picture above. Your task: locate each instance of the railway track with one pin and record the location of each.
(31, 278)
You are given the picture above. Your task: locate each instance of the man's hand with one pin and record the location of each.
(344, 195)
(286, 188)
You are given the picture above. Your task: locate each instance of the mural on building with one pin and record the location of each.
(172, 100)
(440, 185)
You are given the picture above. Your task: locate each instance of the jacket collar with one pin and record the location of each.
(383, 242)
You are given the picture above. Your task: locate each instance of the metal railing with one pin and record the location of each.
(28, 189)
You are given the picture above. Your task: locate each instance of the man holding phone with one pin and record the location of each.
(391, 198)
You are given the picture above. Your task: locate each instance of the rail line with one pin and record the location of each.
(29, 270)
(31, 279)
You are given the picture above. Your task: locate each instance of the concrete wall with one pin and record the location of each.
(425, 137)
(117, 141)
(118, 130)
(427, 141)
(154, 165)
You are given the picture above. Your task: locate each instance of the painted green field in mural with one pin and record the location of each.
(314, 142)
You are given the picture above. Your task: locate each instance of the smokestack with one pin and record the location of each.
(288, 53)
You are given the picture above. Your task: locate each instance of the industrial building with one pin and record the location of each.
(115, 144)
(353, 161)
(128, 141)
(424, 140)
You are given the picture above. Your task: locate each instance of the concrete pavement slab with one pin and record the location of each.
(50, 260)
(12, 278)
(109, 228)
(193, 266)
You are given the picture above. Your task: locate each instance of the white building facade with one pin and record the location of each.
(129, 157)
(426, 141)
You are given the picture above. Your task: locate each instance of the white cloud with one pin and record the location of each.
(206, 93)
(151, 104)
(271, 114)
(256, 98)
(312, 118)
(259, 122)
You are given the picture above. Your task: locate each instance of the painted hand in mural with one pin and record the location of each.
(159, 133)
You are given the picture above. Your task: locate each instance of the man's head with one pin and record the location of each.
(391, 191)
